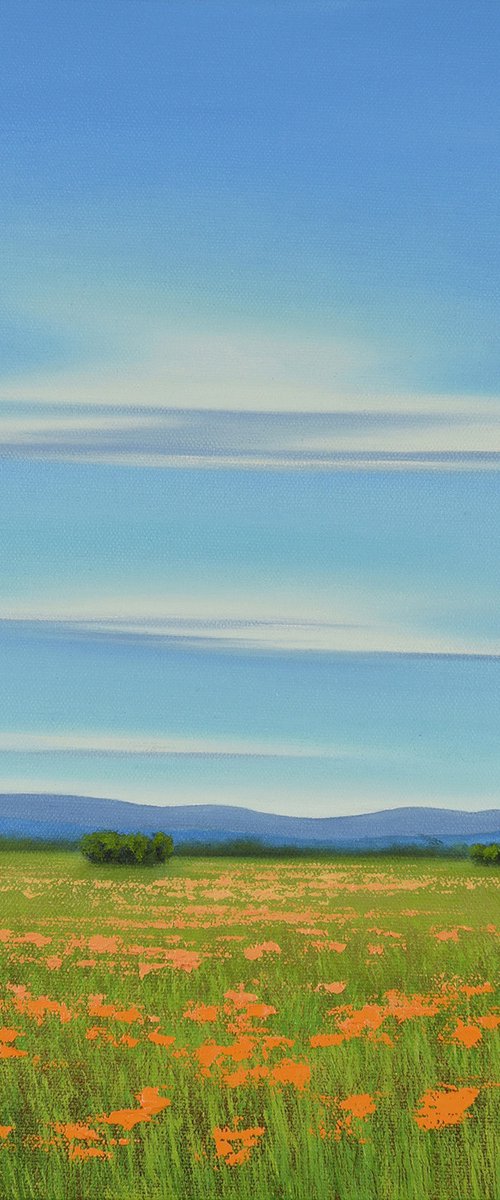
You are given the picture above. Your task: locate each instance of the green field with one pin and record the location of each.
(321, 1030)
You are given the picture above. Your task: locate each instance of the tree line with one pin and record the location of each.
(137, 849)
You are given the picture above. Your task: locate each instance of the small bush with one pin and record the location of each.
(486, 856)
(129, 849)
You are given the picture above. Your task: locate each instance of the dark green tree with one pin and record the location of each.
(162, 846)
(129, 849)
(486, 856)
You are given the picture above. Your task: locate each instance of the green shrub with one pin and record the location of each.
(486, 856)
(129, 849)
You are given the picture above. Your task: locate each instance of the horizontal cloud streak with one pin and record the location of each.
(446, 438)
(272, 636)
(131, 744)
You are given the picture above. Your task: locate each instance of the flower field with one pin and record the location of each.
(230, 1028)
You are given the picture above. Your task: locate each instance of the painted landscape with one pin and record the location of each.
(249, 601)
(225, 1028)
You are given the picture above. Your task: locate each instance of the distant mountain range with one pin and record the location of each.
(52, 816)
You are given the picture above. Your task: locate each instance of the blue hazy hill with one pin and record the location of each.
(56, 816)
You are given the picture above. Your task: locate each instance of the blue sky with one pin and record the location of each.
(249, 410)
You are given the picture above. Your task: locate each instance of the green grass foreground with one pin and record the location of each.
(101, 967)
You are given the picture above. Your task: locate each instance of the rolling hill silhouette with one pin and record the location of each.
(58, 816)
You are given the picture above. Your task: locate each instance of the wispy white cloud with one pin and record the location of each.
(450, 435)
(153, 363)
(146, 361)
(133, 744)
(105, 743)
(271, 636)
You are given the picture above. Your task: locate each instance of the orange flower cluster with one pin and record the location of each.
(234, 1145)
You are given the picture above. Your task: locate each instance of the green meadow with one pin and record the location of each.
(248, 1029)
